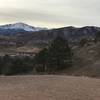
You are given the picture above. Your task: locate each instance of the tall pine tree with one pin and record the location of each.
(59, 54)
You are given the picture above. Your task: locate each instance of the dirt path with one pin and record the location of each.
(49, 88)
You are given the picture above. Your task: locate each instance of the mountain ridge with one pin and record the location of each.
(70, 33)
(21, 26)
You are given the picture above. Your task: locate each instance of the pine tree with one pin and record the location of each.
(40, 60)
(57, 56)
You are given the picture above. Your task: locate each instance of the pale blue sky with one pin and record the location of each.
(51, 13)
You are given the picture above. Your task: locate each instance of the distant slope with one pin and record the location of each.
(69, 33)
(87, 60)
(43, 36)
(17, 28)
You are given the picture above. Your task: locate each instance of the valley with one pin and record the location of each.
(86, 60)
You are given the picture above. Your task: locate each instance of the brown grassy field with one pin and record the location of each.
(49, 87)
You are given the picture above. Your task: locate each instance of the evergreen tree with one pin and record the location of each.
(57, 57)
(97, 37)
(59, 54)
(40, 60)
(7, 65)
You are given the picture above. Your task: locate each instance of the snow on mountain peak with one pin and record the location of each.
(23, 26)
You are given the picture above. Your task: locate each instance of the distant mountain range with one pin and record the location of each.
(70, 33)
(29, 34)
(65, 31)
(18, 28)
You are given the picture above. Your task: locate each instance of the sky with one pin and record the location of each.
(51, 13)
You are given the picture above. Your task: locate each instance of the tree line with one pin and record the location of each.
(15, 65)
(57, 56)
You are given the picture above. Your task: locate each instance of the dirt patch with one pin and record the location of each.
(49, 87)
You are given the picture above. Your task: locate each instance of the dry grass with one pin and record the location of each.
(49, 88)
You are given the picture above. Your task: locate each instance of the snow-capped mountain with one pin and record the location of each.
(22, 26)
